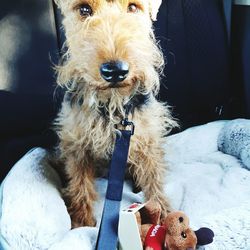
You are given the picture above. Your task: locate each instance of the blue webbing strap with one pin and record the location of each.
(108, 232)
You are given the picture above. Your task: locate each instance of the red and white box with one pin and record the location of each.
(129, 235)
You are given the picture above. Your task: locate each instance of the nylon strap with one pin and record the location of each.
(108, 231)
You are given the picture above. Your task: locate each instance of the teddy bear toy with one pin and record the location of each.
(170, 233)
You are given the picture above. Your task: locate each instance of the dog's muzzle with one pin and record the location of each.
(114, 72)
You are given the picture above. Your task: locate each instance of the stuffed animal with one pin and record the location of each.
(172, 233)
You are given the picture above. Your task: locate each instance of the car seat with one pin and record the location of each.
(207, 74)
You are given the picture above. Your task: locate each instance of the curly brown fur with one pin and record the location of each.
(86, 124)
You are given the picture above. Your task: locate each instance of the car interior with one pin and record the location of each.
(207, 51)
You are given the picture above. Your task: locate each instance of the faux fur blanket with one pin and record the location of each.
(209, 179)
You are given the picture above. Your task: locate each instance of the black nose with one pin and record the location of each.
(114, 71)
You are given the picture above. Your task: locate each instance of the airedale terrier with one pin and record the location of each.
(112, 59)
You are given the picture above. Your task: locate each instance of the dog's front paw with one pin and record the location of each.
(81, 213)
(78, 220)
(81, 216)
(165, 206)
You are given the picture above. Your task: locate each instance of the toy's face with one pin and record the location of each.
(179, 236)
(186, 240)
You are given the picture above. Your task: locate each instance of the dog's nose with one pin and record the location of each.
(114, 72)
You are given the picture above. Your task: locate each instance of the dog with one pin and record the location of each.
(112, 59)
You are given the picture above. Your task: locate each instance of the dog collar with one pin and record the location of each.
(136, 102)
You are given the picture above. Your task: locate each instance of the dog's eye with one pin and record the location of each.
(184, 235)
(133, 8)
(85, 10)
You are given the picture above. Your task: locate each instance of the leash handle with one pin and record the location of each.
(108, 231)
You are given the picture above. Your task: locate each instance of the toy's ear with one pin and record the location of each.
(154, 6)
(204, 236)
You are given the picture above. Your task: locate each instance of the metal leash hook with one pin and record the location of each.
(125, 122)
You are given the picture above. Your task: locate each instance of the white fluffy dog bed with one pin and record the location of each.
(209, 179)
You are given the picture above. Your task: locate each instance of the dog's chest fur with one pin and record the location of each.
(89, 133)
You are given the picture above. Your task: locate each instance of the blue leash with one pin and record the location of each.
(108, 231)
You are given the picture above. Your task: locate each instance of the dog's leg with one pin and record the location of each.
(80, 194)
(149, 169)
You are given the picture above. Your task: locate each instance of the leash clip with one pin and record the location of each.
(125, 123)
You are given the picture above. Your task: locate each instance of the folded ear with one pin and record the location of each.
(154, 8)
(59, 3)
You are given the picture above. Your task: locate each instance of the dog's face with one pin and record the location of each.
(111, 46)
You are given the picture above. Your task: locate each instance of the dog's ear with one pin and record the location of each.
(58, 3)
(154, 6)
